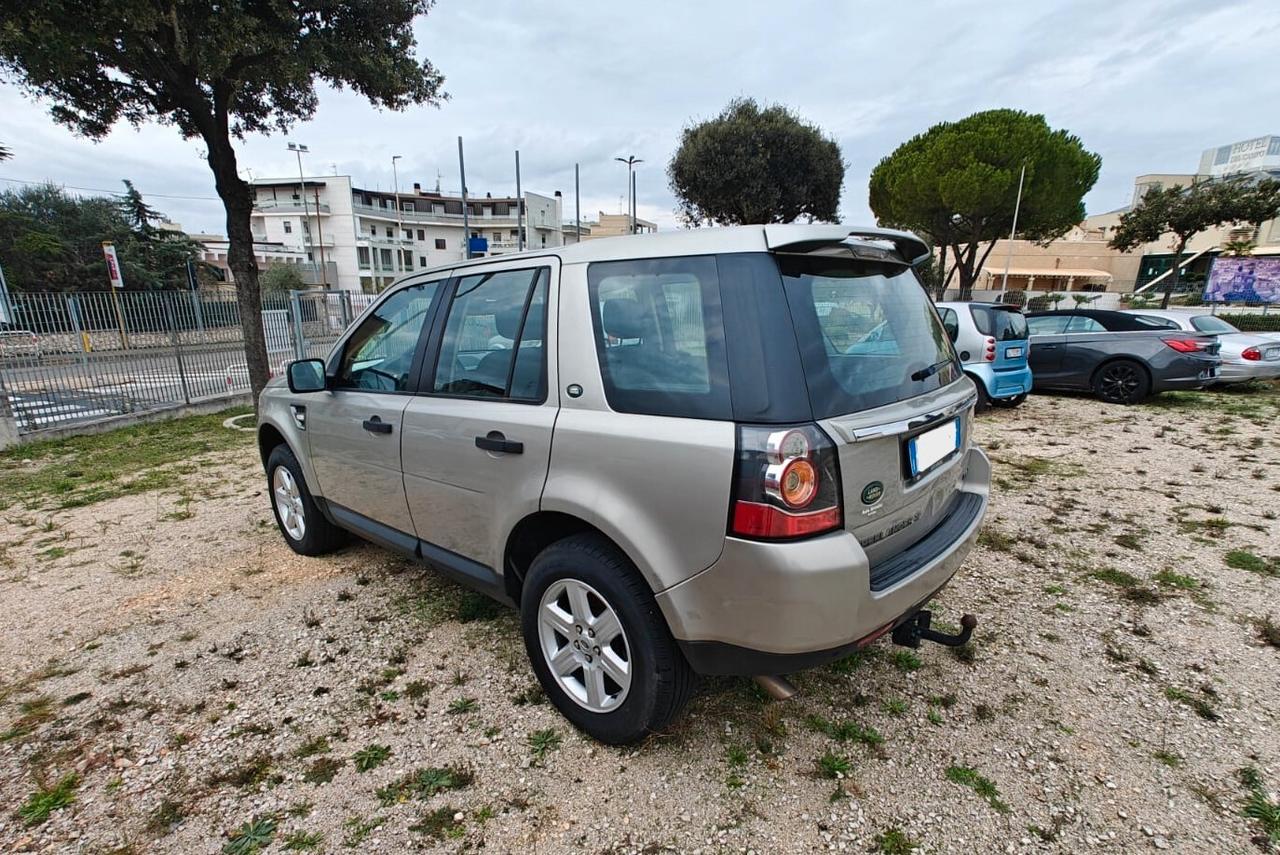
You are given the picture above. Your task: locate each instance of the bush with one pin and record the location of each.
(1016, 298)
(1253, 323)
(279, 278)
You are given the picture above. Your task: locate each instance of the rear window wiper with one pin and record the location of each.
(926, 373)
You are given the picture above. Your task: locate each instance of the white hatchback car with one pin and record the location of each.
(1245, 356)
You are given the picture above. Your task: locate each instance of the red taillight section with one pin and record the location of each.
(989, 352)
(786, 484)
(1184, 345)
(1252, 354)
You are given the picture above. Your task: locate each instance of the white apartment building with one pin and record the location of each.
(367, 238)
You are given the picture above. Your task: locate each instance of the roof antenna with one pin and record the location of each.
(437, 180)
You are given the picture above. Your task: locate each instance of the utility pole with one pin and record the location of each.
(299, 150)
(519, 208)
(466, 228)
(577, 207)
(395, 186)
(631, 160)
(324, 274)
(1008, 258)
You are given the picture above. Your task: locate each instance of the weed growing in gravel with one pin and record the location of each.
(996, 540)
(32, 714)
(969, 777)
(322, 770)
(460, 706)
(302, 841)
(252, 774)
(1202, 708)
(846, 731)
(439, 823)
(1173, 579)
(542, 742)
(906, 660)
(252, 837)
(1268, 630)
(165, 816)
(371, 757)
(359, 828)
(313, 746)
(424, 783)
(893, 841)
(832, 765)
(935, 717)
(416, 690)
(1168, 758)
(46, 800)
(1129, 540)
(1243, 559)
(853, 661)
(1119, 578)
(1259, 807)
(897, 706)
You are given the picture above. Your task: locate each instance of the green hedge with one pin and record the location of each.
(1249, 322)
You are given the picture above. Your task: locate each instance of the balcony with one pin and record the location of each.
(389, 214)
(287, 206)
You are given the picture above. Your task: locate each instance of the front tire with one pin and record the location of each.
(304, 527)
(598, 642)
(1122, 382)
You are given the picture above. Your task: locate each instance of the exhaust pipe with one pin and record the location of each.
(778, 688)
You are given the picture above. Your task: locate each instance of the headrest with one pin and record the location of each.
(625, 318)
(508, 321)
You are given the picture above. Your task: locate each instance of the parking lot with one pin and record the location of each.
(171, 673)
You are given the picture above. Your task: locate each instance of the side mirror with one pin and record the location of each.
(306, 375)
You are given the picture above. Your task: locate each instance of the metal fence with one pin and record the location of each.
(70, 358)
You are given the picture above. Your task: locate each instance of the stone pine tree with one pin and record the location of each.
(957, 183)
(216, 71)
(754, 164)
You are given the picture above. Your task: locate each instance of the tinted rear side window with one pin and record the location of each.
(660, 336)
(1000, 323)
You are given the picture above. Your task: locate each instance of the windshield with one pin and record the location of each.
(1210, 324)
(1001, 322)
(868, 334)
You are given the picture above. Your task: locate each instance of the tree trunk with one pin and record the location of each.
(965, 269)
(1173, 275)
(238, 205)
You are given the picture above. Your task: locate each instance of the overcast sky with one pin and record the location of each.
(1148, 85)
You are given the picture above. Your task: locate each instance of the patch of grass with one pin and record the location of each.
(371, 757)
(852, 662)
(302, 841)
(46, 800)
(416, 690)
(165, 816)
(934, 716)
(252, 837)
(906, 661)
(896, 706)
(424, 783)
(542, 742)
(460, 706)
(313, 746)
(83, 470)
(845, 731)
(966, 776)
(832, 765)
(252, 774)
(1119, 578)
(1129, 540)
(474, 607)
(322, 770)
(1181, 581)
(358, 828)
(32, 714)
(438, 824)
(1168, 758)
(893, 841)
(1259, 807)
(1202, 707)
(996, 540)
(1268, 630)
(1243, 559)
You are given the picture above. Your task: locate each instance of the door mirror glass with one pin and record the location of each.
(306, 375)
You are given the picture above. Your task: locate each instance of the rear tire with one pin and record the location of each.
(984, 400)
(1122, 382)
(583, 584)
(304, 527)
(1009, 403)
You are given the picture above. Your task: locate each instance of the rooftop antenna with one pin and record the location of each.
(437, 180)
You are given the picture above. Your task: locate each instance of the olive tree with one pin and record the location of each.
(958, 183)
(754, 164)
(215, 71)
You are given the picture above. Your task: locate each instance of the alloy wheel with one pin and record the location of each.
(288, 499)
(1119, 383)
(584, 645)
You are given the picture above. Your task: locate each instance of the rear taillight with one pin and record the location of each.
(1185, 345)
(989, 351)
(1252, 354)
(786, 483)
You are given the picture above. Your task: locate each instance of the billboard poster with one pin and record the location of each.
(1234, 279)
(113, 265)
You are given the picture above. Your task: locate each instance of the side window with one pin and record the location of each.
(1158, 323)
(493, 337)
(660, 336)
(1080, 323)
(379, 355)
(950, 323)
(1047, 324)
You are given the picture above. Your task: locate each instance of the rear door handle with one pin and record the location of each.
(374, 424)
(495, 441)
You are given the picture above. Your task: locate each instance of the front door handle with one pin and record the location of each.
(374, 424)
(495, 441)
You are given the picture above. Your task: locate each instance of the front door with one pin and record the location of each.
(477, 439)
(354, 428)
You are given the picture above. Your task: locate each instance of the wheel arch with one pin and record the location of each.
(534, 533)
(269, 436)
(1122, 357)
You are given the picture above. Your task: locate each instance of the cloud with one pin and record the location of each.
(1146, 84)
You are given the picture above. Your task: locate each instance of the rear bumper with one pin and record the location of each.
(1185, 372)
(1245, 370)
(776, 608)
(1002, 383)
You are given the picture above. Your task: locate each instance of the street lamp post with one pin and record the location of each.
(631, 160)
(299, 150)
(1008, 258)
(395, 186)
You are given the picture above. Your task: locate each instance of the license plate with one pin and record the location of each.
(1012, 352)
(1272, 353)
(931, 447)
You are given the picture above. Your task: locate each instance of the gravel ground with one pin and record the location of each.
(186, 679)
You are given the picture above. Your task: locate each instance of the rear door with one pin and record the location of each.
(1046, 344)
(477, 437)
(353, 430)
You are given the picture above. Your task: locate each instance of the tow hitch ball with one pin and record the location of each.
(915, 628)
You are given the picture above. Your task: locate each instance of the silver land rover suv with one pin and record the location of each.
(719, 451)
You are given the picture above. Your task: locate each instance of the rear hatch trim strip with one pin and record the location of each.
(924, 551)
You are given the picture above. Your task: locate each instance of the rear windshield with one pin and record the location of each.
(867, 332)
(1000, 322)
(1210, 324)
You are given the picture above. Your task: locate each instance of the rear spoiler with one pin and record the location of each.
(869, 243)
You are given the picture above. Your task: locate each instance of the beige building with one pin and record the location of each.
(614, 225)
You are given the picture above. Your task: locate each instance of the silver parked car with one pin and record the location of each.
(1245, 355)
(723, 451)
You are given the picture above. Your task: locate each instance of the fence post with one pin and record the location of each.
(8, 424)
(196, 303)
(73, 309)
(347, 316)
(176, 341)
(299, 337)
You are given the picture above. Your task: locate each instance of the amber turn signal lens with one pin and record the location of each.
(799, 483)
